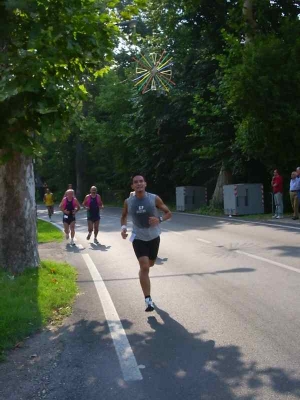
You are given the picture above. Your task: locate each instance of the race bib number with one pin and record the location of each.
(132, 237)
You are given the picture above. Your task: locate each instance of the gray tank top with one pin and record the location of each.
(140, 210)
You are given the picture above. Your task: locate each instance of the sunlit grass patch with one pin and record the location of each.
(48, 232)
(33, 299)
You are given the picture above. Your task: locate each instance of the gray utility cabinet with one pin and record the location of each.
(244, 198)
(190, 197)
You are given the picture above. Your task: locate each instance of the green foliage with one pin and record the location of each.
(234, 104)
(51, 50)
(261, 86)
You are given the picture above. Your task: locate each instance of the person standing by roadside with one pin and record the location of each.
(143, 208)
(277, 184)
(294, 189)
(69, 206)
(49, 202)
(93, 203)
(298, 177)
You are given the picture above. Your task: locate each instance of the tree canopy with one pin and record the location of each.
(235, 103)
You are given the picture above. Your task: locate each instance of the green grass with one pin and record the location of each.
(208, 210)
(255, 217)
(33, 299)
(48, 232)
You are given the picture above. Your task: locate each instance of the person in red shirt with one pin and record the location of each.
(277, 184)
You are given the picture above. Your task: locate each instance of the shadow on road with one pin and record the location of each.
(287, 251)
(186, 366)
(99, 247)
(78, 362)
(161, 261)
(192, 274)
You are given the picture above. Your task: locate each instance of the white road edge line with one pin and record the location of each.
(203, 240)
(241, 221)
(124, 352)
(268, 261)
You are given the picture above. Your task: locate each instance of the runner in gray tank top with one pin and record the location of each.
(143, 208)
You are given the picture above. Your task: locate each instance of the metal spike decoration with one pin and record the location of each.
(154, 72)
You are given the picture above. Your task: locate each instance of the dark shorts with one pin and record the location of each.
(146, 249)
(94, 219)
(68, 220)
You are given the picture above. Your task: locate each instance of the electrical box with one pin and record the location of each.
(244, 198)
(190, 198)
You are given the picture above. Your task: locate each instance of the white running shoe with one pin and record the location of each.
(279, 217)
(149, 304)
(72, 242)
(275, 216)
(96, 241)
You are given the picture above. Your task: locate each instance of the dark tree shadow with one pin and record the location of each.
(99, 247)
(80, 362)
(287, 251)
(161, 261)
(74, 249)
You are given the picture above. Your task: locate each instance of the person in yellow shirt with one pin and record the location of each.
(49, 201)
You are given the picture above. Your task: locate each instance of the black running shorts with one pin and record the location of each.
(146, 249)
(69, 219)
(93, 219)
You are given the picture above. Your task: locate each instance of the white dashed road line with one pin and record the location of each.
(268, 261)
(124, 352)
(203, 240)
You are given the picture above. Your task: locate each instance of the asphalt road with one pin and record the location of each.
(227, 319)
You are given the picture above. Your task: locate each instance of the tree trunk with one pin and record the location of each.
(18, 230)
(79, 161)
(224, 178)
(249, 18)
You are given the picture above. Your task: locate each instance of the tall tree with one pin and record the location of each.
(261, 85)
(49, 51)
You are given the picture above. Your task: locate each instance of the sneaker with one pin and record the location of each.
(88, 236)
(149, 304)
(279, 217)
(275, 216)
(72, 243)
(96, 241)
(67, 236)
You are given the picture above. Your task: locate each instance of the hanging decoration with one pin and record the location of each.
(154, 72)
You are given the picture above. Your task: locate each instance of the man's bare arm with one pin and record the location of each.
(161, 206)
(77, 204)
(124, 220)
(153, 221)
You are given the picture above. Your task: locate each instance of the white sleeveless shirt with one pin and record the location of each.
(140, 210)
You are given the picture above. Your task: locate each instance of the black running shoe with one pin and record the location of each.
(149, 304)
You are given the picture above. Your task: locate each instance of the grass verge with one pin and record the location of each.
(33, 299)
(48, 232)
(208, 210)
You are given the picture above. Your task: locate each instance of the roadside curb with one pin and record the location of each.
(268, 222)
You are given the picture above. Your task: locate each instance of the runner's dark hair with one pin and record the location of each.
(137, 174)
